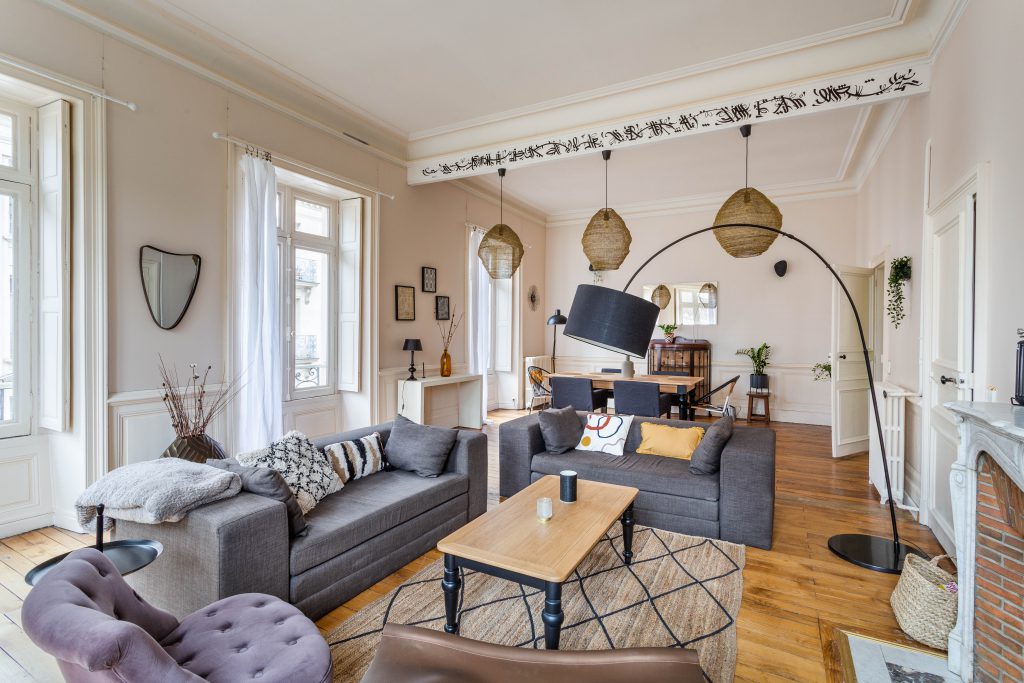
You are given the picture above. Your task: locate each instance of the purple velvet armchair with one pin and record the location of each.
(84, 614)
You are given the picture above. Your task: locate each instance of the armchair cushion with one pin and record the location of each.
(419, 448)
(561, 428)
(268, 483)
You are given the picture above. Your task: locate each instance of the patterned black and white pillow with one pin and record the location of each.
(357, 459)
(306, 469)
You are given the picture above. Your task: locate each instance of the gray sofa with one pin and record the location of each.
(357, 536)
(737, 504)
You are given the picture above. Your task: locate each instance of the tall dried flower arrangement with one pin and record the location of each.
(448, 328)
(188, 404)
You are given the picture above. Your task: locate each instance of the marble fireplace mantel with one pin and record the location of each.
(997, 430)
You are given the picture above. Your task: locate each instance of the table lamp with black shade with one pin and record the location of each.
(412, 346)
(624, 323)
(555, 320)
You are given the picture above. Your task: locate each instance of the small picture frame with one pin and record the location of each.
(405, 302)
(442, 310)
(429, 279)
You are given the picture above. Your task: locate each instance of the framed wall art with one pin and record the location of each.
(405, 302)
(429, 279)
(442, 310)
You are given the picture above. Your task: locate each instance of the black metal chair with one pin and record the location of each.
(539, 392)
(705, 402)
(578, 392)
(641, 398)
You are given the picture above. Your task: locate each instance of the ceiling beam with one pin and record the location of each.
(864, 87)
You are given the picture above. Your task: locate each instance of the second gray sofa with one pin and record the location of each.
(357, 536)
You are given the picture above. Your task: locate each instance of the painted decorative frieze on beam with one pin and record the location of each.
(824, 94)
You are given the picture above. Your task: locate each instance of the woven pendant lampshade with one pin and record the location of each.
(661, 296)
(501, 250)
(709, 295)
(747, 205)
(606, 240)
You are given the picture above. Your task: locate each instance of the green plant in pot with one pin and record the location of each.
(899, 272)
(669, 330)
(758, 356)
(192, 410)
(822, 371)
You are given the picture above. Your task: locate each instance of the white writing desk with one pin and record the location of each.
(455, 401)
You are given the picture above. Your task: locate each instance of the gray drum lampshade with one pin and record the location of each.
(661, 297)
(501, 251)
(612, 320)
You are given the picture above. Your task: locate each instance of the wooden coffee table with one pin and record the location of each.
(511, 543)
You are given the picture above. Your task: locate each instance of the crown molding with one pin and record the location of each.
(347, 126)
(896, 17)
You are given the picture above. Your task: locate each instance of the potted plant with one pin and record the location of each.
(899, 272)
(759, 358)
(192, 411)
(822, 371)
(669, 330)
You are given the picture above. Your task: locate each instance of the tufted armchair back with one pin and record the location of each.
(84, 614)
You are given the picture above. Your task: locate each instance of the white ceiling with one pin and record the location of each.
(419, 66)
(802, 151)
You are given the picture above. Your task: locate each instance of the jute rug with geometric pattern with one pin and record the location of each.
(680, 591)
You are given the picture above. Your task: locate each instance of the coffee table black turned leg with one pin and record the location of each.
(450, 584)
(627, 534)
(552, 614)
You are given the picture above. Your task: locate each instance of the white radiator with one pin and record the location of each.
(892, 408)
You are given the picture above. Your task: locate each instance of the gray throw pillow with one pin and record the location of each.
(269, 484)
(707, 458)
(419, 448)
(561, 429)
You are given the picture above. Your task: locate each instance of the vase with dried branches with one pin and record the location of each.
(192, 408)
(447, 329)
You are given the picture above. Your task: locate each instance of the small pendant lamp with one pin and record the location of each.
(661, 296)
(606, 239)
(501, 250)
(747, 205)
(709, 295)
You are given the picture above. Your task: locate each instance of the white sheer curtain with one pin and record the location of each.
(479, 330)
(256, 308)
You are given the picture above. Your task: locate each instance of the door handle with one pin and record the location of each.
(842, 356)
(947, 380)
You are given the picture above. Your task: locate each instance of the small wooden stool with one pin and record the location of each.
(753, 396)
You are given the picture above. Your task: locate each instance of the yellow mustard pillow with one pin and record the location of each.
(671, 442)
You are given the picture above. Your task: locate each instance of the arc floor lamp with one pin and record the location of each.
(623, 323)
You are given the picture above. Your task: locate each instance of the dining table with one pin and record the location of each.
(680, 385)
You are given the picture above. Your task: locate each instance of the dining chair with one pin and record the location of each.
(539, 392)
(707, 403)
(641, 398)
(679, 397)
(578, 392)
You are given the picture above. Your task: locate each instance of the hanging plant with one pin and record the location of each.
(822, 371)
(899, 272)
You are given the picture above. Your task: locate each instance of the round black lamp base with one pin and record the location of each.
(873, 552)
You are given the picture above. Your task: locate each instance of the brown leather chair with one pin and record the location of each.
(408, 654)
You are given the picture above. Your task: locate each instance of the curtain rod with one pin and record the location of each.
(295, 162)
(66, 82)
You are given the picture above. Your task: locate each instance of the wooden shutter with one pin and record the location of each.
(350, 294)
(54, 266)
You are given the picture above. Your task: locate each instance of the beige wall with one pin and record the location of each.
(167, 186)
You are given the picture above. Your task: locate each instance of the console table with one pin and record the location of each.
(455, 401)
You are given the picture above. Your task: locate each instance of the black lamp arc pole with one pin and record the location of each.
(871, 552)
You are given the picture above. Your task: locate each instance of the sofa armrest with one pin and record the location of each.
(469, 457)
(746, 504)
(236, 545)
(518, 441)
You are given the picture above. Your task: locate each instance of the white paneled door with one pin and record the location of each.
(948, 348)
(851, 412)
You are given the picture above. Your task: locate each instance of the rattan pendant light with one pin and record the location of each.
(606, 239)
(661, 296)
(709, 296)
(747, 205)
(501, 250)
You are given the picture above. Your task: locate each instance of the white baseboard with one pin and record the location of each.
(23, 525)
(67, 519)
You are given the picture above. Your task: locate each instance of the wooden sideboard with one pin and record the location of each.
(682, 357)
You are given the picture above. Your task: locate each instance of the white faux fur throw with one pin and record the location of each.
(155, 491)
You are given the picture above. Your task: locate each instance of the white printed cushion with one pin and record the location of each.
(306, 469)
(605, 433)
(356, 459)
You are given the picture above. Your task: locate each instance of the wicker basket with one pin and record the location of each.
(924, 608)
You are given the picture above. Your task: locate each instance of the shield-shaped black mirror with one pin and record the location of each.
(169, 281)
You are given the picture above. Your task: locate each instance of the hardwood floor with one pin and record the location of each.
(789, 595)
